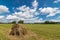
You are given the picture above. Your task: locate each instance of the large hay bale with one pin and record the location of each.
(18, 30)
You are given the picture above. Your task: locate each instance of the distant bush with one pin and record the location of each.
(50, 22)
(21, 21)
(13, 22)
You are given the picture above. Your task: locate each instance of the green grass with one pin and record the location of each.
(3, 28)
(44, 31)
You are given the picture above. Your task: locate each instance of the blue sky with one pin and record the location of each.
(30, 11)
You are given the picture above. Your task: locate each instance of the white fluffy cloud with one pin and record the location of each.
(34, 20)
(53, 20)
(35, 4)
(26, 13)
(3, 9)
(12, 17)
(23, 14)
(1, 17)
(49, 10)
(56, 1)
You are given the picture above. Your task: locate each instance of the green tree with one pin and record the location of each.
(13, 22)
(46, 22)
(21, 21)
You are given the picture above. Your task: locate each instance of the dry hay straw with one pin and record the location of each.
(24, 34)
(18, 30)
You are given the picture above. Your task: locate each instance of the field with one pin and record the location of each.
(43, 31)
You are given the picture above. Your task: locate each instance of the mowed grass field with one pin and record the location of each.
(43, 31)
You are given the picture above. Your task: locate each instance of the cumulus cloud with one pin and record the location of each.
(3, 9)
(29, 15)
(50, 11)
(1, 17)
(53, 20)
(34, 20)
(56, 1)
(26, 13)
(23, 14)
(12, 17)
(35, 4)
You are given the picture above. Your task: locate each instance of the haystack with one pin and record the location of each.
(18, 30)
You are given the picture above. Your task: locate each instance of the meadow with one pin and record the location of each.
(43, 31)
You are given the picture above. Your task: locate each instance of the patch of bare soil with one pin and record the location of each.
(19, 32)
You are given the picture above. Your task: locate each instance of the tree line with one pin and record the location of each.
(13, 22)
(51, 22)
(21, 21)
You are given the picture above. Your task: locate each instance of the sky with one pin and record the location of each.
(31, 11)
